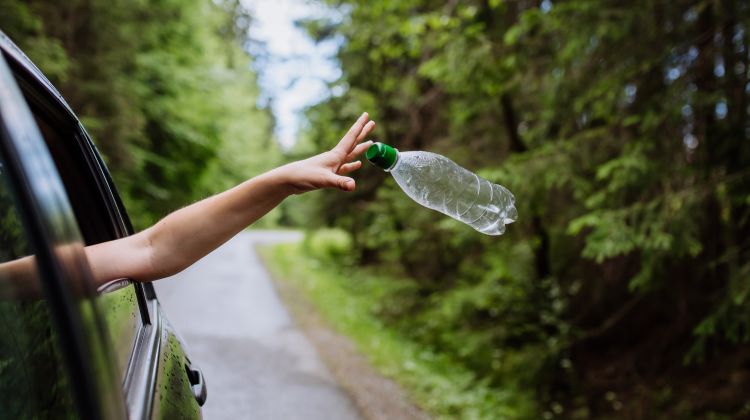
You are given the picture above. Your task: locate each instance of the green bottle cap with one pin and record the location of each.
(382, 155)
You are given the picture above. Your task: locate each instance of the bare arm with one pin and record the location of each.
(188, 234)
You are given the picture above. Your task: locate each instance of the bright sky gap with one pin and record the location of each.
(294, 72)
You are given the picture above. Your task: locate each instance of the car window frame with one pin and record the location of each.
(62, 118)
(139, 378)
(47, 217)
(106, 192)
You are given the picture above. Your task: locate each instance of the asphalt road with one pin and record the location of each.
(257, 363)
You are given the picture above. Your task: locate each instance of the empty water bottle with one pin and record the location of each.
(437, 182)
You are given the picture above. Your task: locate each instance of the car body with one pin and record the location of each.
(68, 349)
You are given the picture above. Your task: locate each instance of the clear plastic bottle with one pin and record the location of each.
(437, 182)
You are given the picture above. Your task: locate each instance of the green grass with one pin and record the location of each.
(348, 298)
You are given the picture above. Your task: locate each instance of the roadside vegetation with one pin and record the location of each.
(353, 300)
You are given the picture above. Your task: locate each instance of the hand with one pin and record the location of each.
(327, 169)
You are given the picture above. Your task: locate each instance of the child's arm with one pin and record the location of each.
(188, 234)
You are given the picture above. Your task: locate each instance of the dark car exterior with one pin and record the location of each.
(68, 350)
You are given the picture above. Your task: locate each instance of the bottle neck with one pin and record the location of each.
(395, 162)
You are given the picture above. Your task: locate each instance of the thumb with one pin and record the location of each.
(343, 183)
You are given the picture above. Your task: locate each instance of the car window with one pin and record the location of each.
(118, 305)
(33, 379)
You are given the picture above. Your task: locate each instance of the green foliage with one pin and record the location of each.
(330, 245)
(622, 131)
(163, 87)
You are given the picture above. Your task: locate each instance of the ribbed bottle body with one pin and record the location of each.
(437, 182)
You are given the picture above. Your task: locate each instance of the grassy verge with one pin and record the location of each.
(348, 299)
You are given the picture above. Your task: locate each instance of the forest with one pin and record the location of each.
(622, 128)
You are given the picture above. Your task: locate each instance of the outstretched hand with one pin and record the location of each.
(328, 169)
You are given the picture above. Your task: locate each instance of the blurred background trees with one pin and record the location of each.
(621, 127)
(163, 86)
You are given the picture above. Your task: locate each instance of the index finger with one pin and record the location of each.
(350, 138)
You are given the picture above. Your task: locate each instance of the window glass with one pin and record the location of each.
(33, 379)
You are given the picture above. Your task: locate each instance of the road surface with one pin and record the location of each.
(257, 363)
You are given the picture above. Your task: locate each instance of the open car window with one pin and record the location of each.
(118, 301)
